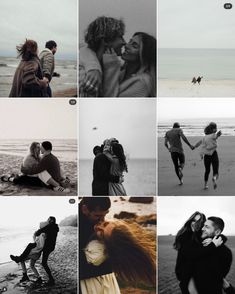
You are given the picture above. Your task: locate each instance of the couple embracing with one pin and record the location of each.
(102, 74)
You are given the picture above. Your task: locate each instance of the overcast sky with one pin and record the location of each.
(34, 210)
(182, 108)
(40, 20)
(138, 15)
(37, 119)
(196, 24)
(173, 212)
(131, 121)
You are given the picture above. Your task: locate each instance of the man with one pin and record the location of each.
(210, 271)
(47, 61)
(101, 173)
(92, 210)
(173, 137)
(102, 34)
(51, 231)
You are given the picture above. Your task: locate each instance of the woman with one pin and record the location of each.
(32, 159)
(28, 79)
(137, 77)
(115, 154)
(208, 151)
(130, 249)
(104, 32)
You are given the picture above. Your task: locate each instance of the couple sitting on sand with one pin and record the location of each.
(208, 151)
(108, 167)
(40, 170)
(44, 242)
(101, 73)
(110, 248)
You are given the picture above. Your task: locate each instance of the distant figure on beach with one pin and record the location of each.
(209, 154)
(108, 169)
(203, 260)
(104, 32)
(199, 80)
(45, 240)
(194, 80)
(40, 170)
(47, 61)
(28, 80)
(173, 137)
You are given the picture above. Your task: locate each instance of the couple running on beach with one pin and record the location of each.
(108, 167)
(34, 73)
(102, 74)
(40, 170)
(208, 151)
(44, 242)
(110, 248)
(203, 259)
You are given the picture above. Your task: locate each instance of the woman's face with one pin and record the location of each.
(194, 221)
(132, 49)
(37, 149)
(104, 229)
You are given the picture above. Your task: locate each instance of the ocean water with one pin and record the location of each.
(140, 179)
(66, 68)
(184, 64)
(65, 150)
(195, 127)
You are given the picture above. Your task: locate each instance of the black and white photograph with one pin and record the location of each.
(196, 245)
(117, 245)
(196, 142)
(38, 147)
(117, 147)
(38, 248)
(38, 50)
(117, 48)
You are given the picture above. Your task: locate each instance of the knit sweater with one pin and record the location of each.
(47, 61)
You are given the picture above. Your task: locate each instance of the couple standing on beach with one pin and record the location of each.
(41, 170)
(112, 248)
(101, 73)
(208, 151)
(34, 73)
(44, 242)
(108, 167)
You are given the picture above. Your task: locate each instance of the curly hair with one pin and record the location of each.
(32, 150)
(103, 28)
(119, 152)
(28, 50)
(209, 129)
(132, 252)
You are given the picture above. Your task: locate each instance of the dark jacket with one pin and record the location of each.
(102, 176)
(27, 81)
(51, 231)
(86, 270)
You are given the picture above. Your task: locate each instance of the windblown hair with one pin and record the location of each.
(186, 229)
(209, 129)
(32, 150)
(28, 50)
(148, 57)
(132, 252)
(119, 152)
(103, 28)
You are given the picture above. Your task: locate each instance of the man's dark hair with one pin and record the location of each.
(97, 149)
(53, 219)
(47, 145)
(96, 203)
(50, 44)
(176, 125)
(218, 223)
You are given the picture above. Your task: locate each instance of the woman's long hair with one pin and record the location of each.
(209, 129)
(119, 152)
(132, 252)
(187, 229)
(148, 57)
(33, 150)
(28, 50)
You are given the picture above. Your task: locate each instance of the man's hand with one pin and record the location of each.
(206, 242)
(218, 241)
(219, 133)
(92, 81)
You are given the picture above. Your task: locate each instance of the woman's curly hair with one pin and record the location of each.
(103, 28)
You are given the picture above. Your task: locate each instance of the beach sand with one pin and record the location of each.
(11, 164)
(183, 88)
(194, 171)
(66, 93)
(62, 261)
